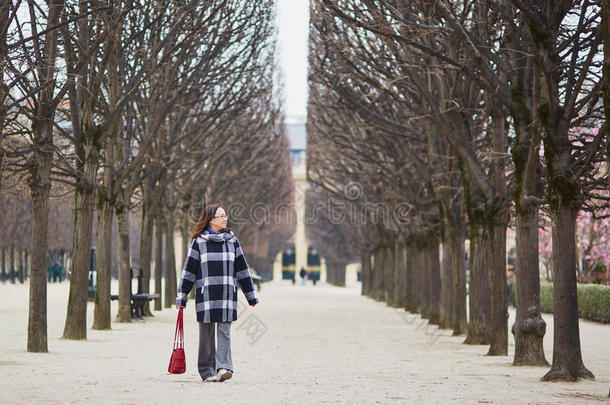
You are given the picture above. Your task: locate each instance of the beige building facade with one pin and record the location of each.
(305, 255)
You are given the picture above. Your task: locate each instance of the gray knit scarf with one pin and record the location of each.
(216, 237)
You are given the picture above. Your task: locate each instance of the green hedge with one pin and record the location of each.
(546, 298)
(593, 300)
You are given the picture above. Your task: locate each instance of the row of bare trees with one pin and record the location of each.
(335, 240)
(157, 106)
(16, 231)
(434, 122)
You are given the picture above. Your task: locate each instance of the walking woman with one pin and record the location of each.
(215, 263)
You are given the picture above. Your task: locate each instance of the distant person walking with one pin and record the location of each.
(57, 271)
(54, 272)
(303, 274)
(215, 263)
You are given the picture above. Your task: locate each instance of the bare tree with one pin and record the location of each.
(6, 16)
(224, 115)
(605, 34)
(91, 125)
(450, 51)
(35, 95)
(367, 101)
(564, 99)
(128, 146)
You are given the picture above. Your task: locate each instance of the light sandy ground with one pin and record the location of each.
(300, 345)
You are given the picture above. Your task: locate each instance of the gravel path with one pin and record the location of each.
(301, 344)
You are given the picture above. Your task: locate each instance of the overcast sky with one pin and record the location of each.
(293, 20)
(293, 24)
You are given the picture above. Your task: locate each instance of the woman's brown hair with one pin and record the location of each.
(204, 220)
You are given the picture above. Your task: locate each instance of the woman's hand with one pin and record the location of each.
(179, 307)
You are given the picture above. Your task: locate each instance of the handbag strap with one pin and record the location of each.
(179, 334)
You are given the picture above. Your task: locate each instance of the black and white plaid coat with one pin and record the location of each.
(215, 263)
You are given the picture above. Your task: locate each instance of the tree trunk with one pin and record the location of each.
(446, 308)
(40, 188)
(567, 359)
(170, 262)
(375, 276)
(423, 284)
(101, 312)
(388, 275)
(411, 300)
(145, 252)
(336, 273)
(529, 327)
(399, 274)
(4, 276)
(184, 231)
(369, 273)
(12, 264)
(185, 239)
(158, 260)
(340, 281)
(27, 264)
(605, 33)
(499, 302)
(434, 279)
(459, 282)
(417, 278)
(479, 323)
(21, 266)
(5, 9)
(122, 215)
(365, 277)
(84, 201)
(498, 222)
(378, 266)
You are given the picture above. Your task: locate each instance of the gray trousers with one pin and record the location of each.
(212, 359)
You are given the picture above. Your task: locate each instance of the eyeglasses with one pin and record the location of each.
(221, 216)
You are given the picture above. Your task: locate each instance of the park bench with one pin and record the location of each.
(138, 300)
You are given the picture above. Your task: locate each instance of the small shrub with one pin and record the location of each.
(593, 300)
(546, 297)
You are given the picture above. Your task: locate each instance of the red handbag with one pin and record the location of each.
(177, 363)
